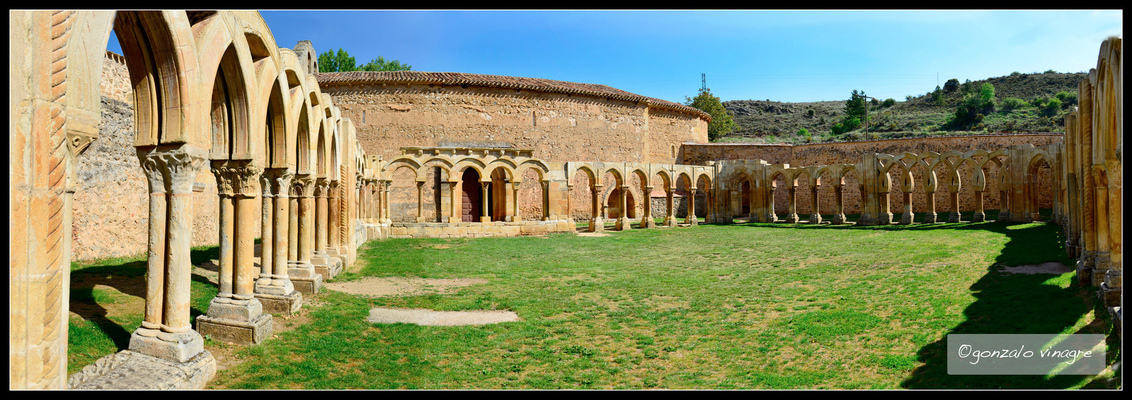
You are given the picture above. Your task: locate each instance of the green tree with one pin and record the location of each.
(722, 120)
(380, 64)
(856, 106)
(342, 61)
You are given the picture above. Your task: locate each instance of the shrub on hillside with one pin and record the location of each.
(1013, 103)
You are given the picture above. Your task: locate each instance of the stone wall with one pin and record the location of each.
(111, 201)
(851, 153)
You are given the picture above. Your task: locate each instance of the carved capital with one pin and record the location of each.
(171, 169)
(277, 181)
(301, 185)
(321, 185)
(236, 178)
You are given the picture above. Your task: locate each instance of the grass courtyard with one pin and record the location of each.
(744, 306)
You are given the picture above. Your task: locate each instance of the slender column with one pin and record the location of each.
(596, 222)
(1104, 248)
(623, 219)
(670, 209)
(954, 216)
(282, 226)
(267, 233)
(321, 186)
(839, 205)
(274, 288)
(980, 215)
(457, 201)
(235, 315)
(333, 213)
(420, 201)
(166, 331)
(770, 216)
(386, 211)
(815, 213)
(692, 209)
(646, 213)
(907, 217)
(483, 199)
(792, 217)
(515, 202)
(930, 216)
(299, 267)
(546, 200)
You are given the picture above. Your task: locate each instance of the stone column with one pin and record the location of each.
(646, 217)
(980, 215)
(334, 225)
(815, 212)
(486, 217)
(166, 331)
(792, 217)
(420, 201)
(670, 209)
(267, 233)
(235, 315)
(907, 217)
(839, 205)
(546, 215)
(597, 224)
(299, 268)
(623, 218)
(274, 288)
(325, 263)
(770, 216)
(1101, 213)
(515, 202)
(691, 218)
(454, 211)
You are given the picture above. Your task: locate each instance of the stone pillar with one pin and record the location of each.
(907, 217)
(980, 215)
(623, 219)
(299, 268)
(454, 210)
(514, 209)
(486, 217)
(235, 315)
(691, 218)
(166, 331)
(420, 201)
(670, 209)
(839, 205)
(546, 200)
(597, 223)
(274, 288)
(325, 263)
(770, 215)
(815, 211)
(792, 217)
(334, 225)
(646, 214)
(1101, 213)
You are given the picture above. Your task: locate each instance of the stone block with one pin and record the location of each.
(128, 370)
(233, 331)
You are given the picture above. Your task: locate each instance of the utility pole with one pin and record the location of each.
(703, 82)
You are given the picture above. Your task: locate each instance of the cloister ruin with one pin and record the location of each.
(237, 138)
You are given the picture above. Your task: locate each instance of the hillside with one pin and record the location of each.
(1028, 110)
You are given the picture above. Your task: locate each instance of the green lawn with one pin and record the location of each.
(744, 306)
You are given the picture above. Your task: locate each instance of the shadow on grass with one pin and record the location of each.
(1016, 304)
(127, 277)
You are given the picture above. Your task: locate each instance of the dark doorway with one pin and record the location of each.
(472, 204)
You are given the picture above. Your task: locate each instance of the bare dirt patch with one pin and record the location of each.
(1052, 267)
(439, 318)
(398, 286)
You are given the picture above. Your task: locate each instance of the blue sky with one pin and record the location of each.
(781, 55)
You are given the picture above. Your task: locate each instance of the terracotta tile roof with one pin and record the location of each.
(499, 81)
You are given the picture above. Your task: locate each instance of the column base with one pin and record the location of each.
(235, 321)
(328, 267)
(130, 370)
(303, 276)
(792, 218)
(623, 224)
(906, 218)
(648, 223)
(1109, 295)
(276, 300)
(930, 218)
(669, 221)
(979, 217)
(597, 225)
(838, 219)
(954, 217)
(815, 218)
(174, 347)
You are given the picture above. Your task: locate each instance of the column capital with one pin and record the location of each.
(171, 169)
(236, 177)
(321, 186)
(302, 185)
